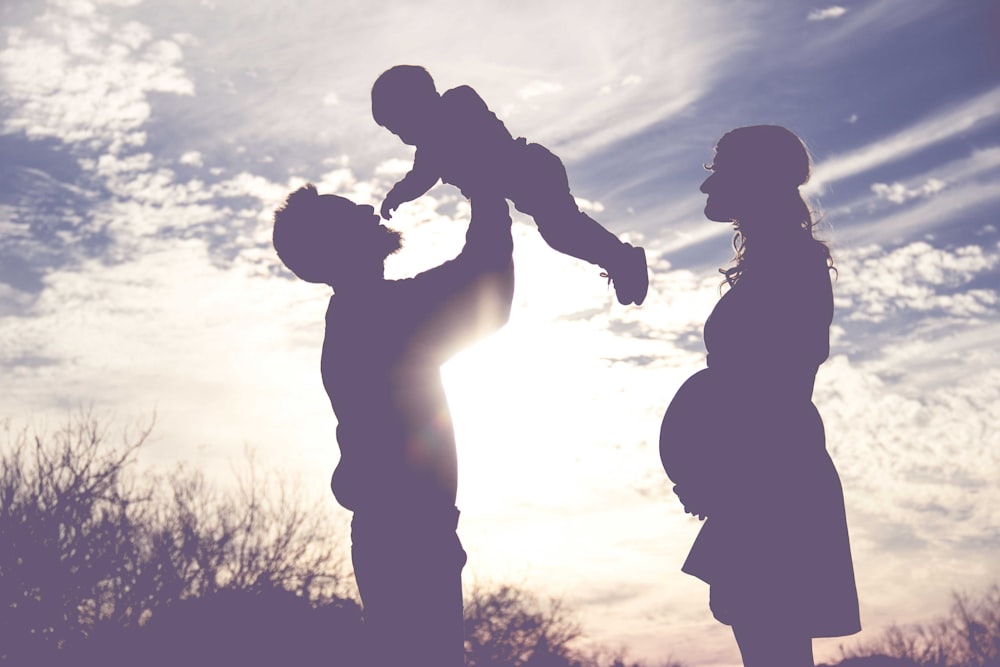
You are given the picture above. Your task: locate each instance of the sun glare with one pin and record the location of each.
(510, 395)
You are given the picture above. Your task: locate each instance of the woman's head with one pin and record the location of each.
(756, 174)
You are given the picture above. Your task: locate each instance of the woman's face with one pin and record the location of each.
(735, 191)
(725, 199)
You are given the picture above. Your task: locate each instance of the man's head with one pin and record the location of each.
(332, 240)
(404, 100)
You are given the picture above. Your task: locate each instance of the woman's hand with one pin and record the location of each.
(692, 502)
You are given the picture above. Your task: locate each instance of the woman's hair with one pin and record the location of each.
(774, 162)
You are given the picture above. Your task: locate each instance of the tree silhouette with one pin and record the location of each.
(68, 524)
(508, 627)
(92, 552)
(969, 636)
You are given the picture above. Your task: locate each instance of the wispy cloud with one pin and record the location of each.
(943, 125)
(898, 193)
(933, 198)
(832, 12)
(962, 205)
(538, 89)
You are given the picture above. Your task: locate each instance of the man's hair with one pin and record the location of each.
(295, 223)
(397, 85)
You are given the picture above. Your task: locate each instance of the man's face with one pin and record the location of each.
(358, 237)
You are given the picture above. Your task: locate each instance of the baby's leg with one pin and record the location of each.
(540, 188)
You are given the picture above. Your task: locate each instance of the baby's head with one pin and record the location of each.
(403, 102)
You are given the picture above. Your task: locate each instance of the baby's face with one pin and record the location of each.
(410, 122)
(405, 133)
(408, 131)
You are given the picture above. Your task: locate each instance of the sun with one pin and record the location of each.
(516, 398)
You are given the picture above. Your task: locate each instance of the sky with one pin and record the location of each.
(145, 145)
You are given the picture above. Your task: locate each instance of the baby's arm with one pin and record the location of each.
(417, 181)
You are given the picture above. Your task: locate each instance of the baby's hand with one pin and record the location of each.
(391, 203)
(387, 209)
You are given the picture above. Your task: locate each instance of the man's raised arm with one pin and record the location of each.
(469, 297)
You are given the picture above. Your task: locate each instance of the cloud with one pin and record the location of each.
(944, 196)
(902, 449)
(394, 168)
(589, 206)
(79, 77)
(955, 207)
(874, 285)
(899, 193)
(832, 12)
(170, 332)
(192, 159)
(941, 126)
(538, 89)
(869, 24)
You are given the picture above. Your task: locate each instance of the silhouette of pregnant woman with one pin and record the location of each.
(742, 440)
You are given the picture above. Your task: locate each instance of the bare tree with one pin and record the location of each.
(68, 522)
(969, 636)
(506, 626)
(509, 627)
(90, 548)
(258, 536)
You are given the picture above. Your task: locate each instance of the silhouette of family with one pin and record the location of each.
(741, 440)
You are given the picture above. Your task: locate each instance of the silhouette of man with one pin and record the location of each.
(385, 342)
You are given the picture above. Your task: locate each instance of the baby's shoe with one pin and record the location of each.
(629, 276)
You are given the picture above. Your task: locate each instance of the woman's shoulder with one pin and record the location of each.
(808, 260)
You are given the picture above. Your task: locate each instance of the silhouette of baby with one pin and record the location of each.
(461, 142)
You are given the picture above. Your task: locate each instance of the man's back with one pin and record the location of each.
(384, 383)
(381, 368)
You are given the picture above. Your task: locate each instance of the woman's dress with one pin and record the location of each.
(775, 546)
